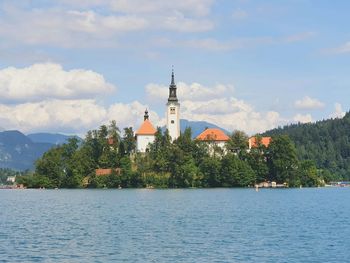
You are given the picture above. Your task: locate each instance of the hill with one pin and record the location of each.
(326, 142)
(53, 138)
(19, 152)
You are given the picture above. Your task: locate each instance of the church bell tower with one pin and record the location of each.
(173, 111)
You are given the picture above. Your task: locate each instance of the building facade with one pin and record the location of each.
(214, 136)
(145, 134)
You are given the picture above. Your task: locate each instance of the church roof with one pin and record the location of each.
(253, 142)
(212, 134)
(172, 89)
(146, 128)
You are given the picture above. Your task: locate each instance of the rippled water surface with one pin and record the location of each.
(214, 225)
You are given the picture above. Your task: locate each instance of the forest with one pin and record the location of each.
(183, 163)
(325, 142)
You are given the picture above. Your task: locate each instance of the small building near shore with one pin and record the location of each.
(11, 179)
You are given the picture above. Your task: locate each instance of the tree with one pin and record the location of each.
(51, 166)
(236, 172)
(210, 168)
(308, 174)
(258, 161)
(238, 142)
(282, 160)
(160, 151)
(129, 140)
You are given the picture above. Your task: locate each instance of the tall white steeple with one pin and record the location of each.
(173, 111)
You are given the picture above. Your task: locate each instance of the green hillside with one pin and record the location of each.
(325, 142)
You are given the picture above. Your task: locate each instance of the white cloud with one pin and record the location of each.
(213, 44)
(308, 103)
(92, 22)
(194, 7)
(219, 106)
(44, 97)
(72, 116)
(48, 81)
(193, 92)
(131, 114)
(231, 114)
(299, 37)
(178, 22)
(303, 118)
(53, 115)
(66, 28)
(77, 24)
(342, 49)
(338, 111)
(239, 14)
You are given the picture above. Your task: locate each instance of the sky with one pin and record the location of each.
(69, 66)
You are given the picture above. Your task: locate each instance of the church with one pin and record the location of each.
(146, 133)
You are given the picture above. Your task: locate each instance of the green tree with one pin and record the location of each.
(258, 162)
(308, 174)
(51, 166)
(235, 172)
(238, 142)
(129, 140)
(210, 168)
(282, 160)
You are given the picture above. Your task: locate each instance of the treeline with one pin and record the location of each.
(183, 163)
(6, 172)
(326, 142)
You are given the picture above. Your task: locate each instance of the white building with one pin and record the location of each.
(145, 135)
(173, 111)
(11, 179)
(214, 136)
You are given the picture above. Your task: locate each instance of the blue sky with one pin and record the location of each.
(71, 65)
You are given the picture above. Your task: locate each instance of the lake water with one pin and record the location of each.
(214, 225)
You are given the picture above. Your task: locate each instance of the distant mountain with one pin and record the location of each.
(53, 138)
(326, 142)
(198, 126)
(19, 152)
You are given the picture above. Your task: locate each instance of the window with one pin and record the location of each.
(172, 110)
(172, 122)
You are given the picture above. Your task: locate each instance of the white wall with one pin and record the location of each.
(221, 144)
(142, 142)
(173, 119)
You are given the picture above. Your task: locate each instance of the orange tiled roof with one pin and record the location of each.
(146, 129)
(107, 171)
(264, 140)
(213, 134)
(110, 141)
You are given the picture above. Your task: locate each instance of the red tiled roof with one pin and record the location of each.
(110, 141)
(264, 140)
(107, 171)
(213, 134)
(146, 129)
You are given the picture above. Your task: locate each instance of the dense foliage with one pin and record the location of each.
(326, 142)
(6, 172)
(182, 163)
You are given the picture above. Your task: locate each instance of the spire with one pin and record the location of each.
(172, 88)
(146, 116)
(172, 77)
